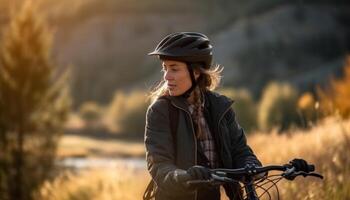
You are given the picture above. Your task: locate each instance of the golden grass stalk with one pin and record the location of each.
(326, 145)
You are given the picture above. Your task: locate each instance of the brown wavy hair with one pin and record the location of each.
(209, 79)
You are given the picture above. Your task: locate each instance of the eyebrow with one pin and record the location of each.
(171, 65)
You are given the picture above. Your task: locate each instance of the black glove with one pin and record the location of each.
(198, 172)
(300, 165)
(251, 165)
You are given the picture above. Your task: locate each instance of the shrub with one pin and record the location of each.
(91, 113)
(116, 106)
(243, 105)
(277, 107)
(34, 104)
(126, 113)
(307, 109)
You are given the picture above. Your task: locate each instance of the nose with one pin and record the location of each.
(168, 76)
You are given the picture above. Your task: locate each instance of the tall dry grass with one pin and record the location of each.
(326, 145)
(106, 184)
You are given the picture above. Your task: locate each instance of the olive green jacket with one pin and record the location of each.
(160, 151)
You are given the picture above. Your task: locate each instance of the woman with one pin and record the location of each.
(207, 133)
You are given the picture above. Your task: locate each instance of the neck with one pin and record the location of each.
(190, 99)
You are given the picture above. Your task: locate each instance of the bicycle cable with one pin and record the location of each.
(274, 184)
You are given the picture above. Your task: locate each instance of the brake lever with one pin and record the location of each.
(315, 175)
(291, 176)
(304, 174)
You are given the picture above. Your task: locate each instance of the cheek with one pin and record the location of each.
(184, 81)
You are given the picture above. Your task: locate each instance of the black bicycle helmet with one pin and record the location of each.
(189, 47)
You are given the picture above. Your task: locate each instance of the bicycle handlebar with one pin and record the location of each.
(221, 175)
(257, 170)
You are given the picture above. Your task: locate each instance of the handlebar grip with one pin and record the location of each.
(311, 168)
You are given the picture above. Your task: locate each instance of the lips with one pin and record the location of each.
(171, 86)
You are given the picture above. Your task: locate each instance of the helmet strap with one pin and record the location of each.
(193, 80)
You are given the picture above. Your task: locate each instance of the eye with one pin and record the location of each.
(163, 69)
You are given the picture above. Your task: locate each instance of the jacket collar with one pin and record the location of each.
(217, 104)
(179, 101)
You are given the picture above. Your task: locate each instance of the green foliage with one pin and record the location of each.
(115, 107)
(34, 105)
(91, 113)
(244, 107)
(126, 113)
(277, 107)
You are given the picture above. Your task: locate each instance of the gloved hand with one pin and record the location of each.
(258, 176)
(300, 165)
(198, 172)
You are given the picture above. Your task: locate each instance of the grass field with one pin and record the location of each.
(326, 145)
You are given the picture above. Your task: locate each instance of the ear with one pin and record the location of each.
(197, 73)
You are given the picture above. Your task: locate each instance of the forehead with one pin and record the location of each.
(170, 63)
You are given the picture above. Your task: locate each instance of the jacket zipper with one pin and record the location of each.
(218, 128)
(194, 137)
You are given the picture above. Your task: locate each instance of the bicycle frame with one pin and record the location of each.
(250, 190)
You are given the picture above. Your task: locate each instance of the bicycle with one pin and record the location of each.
(221, 176)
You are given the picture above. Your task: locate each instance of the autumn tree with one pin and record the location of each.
(335, 99)
(34, 103)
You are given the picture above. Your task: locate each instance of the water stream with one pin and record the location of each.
(94, 163)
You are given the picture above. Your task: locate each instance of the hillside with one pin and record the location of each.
(285, 43)
(107, 42)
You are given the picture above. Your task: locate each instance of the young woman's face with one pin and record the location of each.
(177, 77)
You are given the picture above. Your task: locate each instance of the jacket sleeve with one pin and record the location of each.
(160, 149)
(242, 154)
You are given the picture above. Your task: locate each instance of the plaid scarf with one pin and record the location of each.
(208, 143)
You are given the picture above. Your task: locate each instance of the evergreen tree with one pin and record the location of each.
(34, 103)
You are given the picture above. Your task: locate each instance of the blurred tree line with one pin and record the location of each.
(34, 103)
(282, 107)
